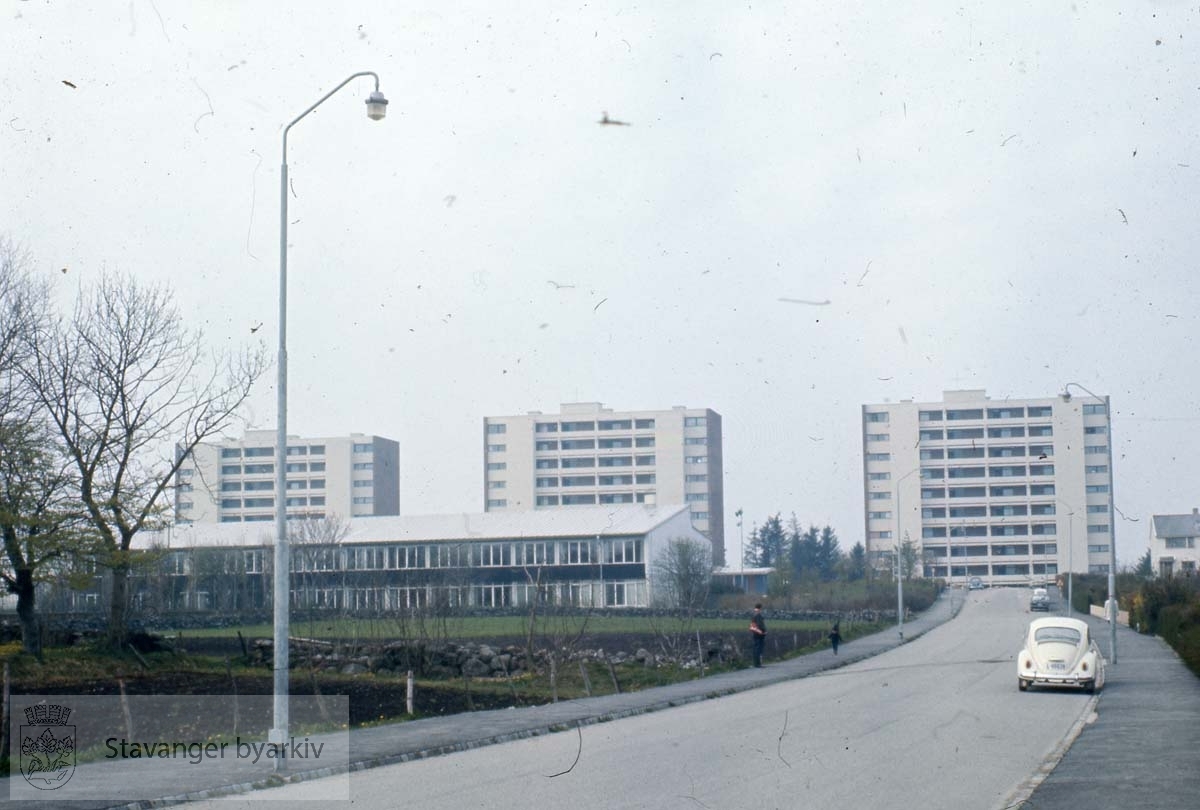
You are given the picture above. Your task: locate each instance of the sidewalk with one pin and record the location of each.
(1142, 748)
(401, 742)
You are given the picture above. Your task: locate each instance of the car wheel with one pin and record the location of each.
(1022, 684)
(1090, 688)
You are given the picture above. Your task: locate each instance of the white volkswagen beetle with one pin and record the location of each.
(1060, 652)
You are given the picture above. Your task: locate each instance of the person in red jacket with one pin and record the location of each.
(758, 634)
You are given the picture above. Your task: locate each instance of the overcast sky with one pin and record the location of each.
(974, 195)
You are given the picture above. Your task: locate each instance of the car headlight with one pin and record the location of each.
(1083, 666)
(1027, 664)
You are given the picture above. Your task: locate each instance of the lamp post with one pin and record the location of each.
(899, 562)
(741, 547)
(376, 109)
(1070, 555)
(1110, 606)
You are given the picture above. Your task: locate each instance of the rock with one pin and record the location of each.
(353, 669)
(474, 668)
(486, 653)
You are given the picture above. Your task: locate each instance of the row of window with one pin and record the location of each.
(993, 451)
(994, 550)
(1004, 530)
(632, 593)
(995, 471)
(591, 499)
(307, 514)
(269, 503)
(586, 462)
(614, 443)
(465, 555)
(603, 424)
(961, 434)
(269, 486)
(1000, 510)
(269, 452)
(591, 480)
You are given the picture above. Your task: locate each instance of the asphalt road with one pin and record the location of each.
(936, 723)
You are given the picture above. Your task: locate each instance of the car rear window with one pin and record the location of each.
(1068, 635)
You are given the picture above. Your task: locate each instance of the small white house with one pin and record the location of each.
(1173, 546)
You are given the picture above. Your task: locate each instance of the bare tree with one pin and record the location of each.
(131, 391)
(682, 573)
(37, 521)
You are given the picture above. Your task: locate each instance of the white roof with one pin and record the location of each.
(574, 521)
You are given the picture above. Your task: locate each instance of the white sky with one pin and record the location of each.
(952, 181)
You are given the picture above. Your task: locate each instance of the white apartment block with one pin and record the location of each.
(590, 455)
(233, 481)
(1008, 490)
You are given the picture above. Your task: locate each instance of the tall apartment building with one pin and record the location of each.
(1007, 491)
(233, 481)
(589, 454)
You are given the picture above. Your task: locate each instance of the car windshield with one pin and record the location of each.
(1068, 635)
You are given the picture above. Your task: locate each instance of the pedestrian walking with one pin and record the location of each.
(758, 634)
(835, 637)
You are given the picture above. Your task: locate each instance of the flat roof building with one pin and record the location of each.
(1008, 490)
(233, 481)
(590, 455)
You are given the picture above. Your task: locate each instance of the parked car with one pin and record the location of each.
(975, 584)
(1040, 600)
(1060, 652)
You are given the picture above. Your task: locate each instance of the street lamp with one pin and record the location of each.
(376, 109)
(899, 563)
(1070, 554)
(741, 546)
(1110, 606)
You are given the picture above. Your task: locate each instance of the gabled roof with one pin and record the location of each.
(1177, 525)
(574, 521)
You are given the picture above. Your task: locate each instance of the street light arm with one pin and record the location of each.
(322, 100)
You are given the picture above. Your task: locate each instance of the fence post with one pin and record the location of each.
(408, 701)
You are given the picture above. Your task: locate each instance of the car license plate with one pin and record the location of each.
(1057, 666)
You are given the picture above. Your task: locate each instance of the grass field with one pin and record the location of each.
(483, 627)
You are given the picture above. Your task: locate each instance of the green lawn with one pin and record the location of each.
(480, 627)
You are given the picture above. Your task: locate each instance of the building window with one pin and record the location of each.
(648, 461)
(547, 500)
(494, 466)
(316, 483)
(1095, 450)
(231, 469)
(879, 515)
(972, 492)
(316, 449)
(647, 478)
(1007, 492)
(491, 484)
(1042, 509)
(1041, 430)
(259, 452)
(1100, 548)
(615, 480)
(616, 424)
(304, 484)
(259, 469)
(1097, 528)
(578, 444)
(1039, 411)
(363, 465)
(1093, 469)
(964, 452)
(545, 482)
(317, 501)
(1181, 542)
(578, 500)
(1007, 471)
(1008, 511)
(1091, 409)
(879, 496)
(494, 503)
(932, 493)
(297, 451)
(1006, 432)
(575, 427)
(185, 472)
(494, 430)
(1006, 413)
(644, 441)
(258, 503)
(614, 461)
(545, 427)
(259, 486)
(316, 466)
(297, 501)
(932, 455)
(694, 497)
(695, 440)
(1093, 430)
(878, 437)
(929, 416)
(878, 416)
(879, 456)
(541, 464)
(959, 415)
(1041, 469)
(366, 447)
(579, 480)
(644, 424)
(688, 459)
(617, 497)
(930, 435)
(576, 552)
(297, 467)
(609, 444)
(231, 486)
(1093, 489)
(1041, 489)
(964, 433)
(696, 478)
(231, 452)
(499, 448)
(885, 535)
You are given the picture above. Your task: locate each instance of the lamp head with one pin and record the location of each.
(376, 106)
(1066, 395)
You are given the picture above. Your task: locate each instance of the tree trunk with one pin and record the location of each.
(31, 638)
(118, 613)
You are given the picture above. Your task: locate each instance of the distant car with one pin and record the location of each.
(1060, 652)
(1040, 600)
(975, 584)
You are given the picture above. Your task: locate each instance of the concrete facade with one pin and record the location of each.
(1009, 491)
(591, 455)
(1175, 544)
(233, 481)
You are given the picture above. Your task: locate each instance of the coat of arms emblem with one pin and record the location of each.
(47, 746)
